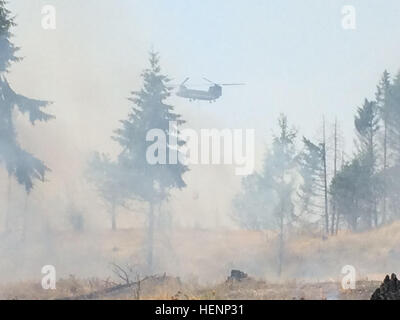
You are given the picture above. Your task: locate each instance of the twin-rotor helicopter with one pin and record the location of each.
(213, 93)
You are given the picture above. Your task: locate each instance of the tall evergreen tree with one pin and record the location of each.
(151, 183)
(280, 167)
(266, 200)
(392, 170)
(18, 162)
(350, 192)
(367, 127)
(312, 190)
(111, 183)
(313, 169)
(383, 99)
(255, 202)
(393, 106)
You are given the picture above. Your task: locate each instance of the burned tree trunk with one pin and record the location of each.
(389, 289)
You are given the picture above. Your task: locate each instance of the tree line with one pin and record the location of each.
(360, 194)
(298, 186)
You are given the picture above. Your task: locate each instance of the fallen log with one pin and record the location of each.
(111, 290)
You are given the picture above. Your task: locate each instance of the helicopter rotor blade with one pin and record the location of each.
(186, 80)
(191, 85)
(225, 84)
(209, 81)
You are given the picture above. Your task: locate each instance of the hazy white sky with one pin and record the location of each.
(294, 56)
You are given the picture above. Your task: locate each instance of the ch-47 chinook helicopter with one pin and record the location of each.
(212, 94)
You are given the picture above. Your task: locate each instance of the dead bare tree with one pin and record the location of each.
(125, 275)
(325, 179)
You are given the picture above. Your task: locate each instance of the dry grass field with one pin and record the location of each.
(170, 288)
(194, 264)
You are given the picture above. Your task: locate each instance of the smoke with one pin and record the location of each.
(89, 81)
(88, 66)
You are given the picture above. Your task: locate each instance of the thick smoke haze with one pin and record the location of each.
(88, 69)
(295, 59)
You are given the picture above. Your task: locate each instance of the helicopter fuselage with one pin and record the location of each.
(213, 93)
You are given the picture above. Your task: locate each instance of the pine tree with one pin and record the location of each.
(151, 183)
(266, 199)
(312, 171)
(383, 99)
(391, 183)
(280, 167)
(393, 106)
(254, 204)
(367, 127)
(110, 181)
(18, 162)
(350, 192)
